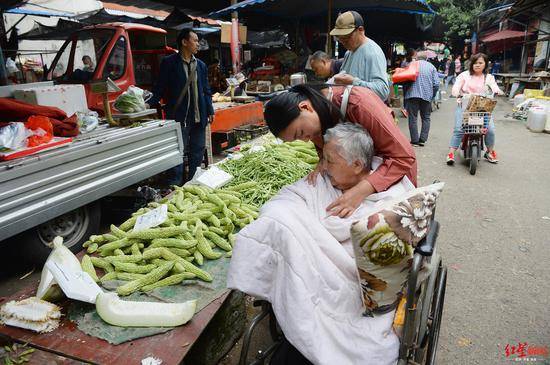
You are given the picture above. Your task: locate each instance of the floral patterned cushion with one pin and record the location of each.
(384, 244)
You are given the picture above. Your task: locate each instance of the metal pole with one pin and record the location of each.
(3, 72)
(329, 41)
(523, 66)
(234, 14)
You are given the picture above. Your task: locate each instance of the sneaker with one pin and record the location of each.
(419, 144)
(491, 157)
(450, 158)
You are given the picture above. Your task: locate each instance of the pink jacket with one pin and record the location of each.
(467, 84)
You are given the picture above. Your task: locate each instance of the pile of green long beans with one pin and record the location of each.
(270, 169)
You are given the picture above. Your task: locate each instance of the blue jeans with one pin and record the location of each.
(458, 132)
(449, 80)
(194, 143)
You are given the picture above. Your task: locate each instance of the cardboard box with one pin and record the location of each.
(226, 33)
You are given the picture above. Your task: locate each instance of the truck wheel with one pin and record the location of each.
(75, 227)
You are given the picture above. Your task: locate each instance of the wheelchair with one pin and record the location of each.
(423, 311)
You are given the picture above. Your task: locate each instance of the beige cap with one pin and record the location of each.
(346, 23)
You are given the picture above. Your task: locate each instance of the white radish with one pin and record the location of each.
(123, 313)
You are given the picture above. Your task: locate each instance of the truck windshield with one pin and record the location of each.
(78, 58)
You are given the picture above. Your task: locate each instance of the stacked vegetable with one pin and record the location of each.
(264, 173)
(200, 226)
(201, 222)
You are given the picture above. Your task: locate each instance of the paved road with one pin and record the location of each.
(493, 239)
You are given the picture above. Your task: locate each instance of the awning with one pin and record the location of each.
(504, 35)
(60, 31)
(135, 11)
(522, 6)
(8, 4)
(45, 13)
(301, 8)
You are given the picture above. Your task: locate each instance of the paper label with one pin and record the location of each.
(152, 219)
(214, 177)
(76, 284)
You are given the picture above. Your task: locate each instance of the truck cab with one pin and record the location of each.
(127, 53)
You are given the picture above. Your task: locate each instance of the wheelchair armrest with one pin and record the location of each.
(426, 246)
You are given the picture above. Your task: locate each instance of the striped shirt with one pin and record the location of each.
(426, 82)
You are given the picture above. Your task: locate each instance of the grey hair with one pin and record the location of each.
(319, 55)
(354, 142)
(422, 56)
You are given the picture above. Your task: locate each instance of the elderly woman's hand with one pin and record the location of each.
(312, 177)
(348, 202)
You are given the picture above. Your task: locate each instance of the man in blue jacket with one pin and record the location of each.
(183, 84)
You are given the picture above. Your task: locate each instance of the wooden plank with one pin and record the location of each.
(171, 347)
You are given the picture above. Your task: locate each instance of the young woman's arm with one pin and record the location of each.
(389, 143)
(459, 83)
(493, 85)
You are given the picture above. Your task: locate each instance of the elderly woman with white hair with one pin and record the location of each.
(348, 153)
(301, 260)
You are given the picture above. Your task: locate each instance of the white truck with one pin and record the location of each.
(55, 193)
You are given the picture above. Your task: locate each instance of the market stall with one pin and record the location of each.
(230, 115)
(176, 252)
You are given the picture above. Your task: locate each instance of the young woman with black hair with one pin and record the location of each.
(305, 113)
(475, 80)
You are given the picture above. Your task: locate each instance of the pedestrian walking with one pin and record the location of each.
(419, 98)
(183, 83)
(364, 63)
(449, 71)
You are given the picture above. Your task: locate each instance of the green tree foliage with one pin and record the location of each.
(459, 15)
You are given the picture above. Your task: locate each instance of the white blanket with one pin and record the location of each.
(302, 263)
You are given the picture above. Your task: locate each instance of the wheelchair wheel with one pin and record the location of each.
(436, 315)
(425, 301)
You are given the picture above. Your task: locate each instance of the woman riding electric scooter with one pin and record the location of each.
(474, 81)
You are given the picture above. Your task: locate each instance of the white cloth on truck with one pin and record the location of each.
(302, 263)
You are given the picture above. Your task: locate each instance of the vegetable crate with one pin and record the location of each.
(249, 132)
(222, 140)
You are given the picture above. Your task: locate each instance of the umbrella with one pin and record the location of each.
(301, 8)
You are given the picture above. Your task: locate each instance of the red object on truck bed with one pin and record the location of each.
(12, 110)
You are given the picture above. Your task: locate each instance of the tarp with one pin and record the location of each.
(268, 39)
(8, 4)
(198, 6)
(177, 19)
(57, 32)
(45, 13)
(504, 35)
(102, 16)
(301, 8)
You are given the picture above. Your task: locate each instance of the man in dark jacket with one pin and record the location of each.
(183, 84)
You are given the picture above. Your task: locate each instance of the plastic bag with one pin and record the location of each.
(87, 121)
(13, 136)
(11, 66)
(41, 130)
(130, 101)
